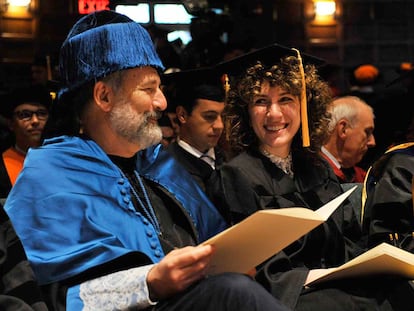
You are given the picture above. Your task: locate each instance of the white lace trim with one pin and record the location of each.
(117, 291)
(285, 164)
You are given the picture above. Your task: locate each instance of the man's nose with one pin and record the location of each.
(34, 118)
(160, 102)
(371, 141)
(219, 124)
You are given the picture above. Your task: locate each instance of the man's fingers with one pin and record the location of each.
(188, 257)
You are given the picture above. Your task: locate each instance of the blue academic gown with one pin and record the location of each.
(71, 206)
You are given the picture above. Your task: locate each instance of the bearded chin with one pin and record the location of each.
(134, 127)
(149, 135)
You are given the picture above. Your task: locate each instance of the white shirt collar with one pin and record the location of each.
(210, 155)
(331, 157)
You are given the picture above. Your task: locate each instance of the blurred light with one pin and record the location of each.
(183, 35)
(171, 14)
(139, 13)
(25, 3)
(325, 8)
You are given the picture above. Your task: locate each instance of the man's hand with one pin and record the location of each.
(177, 270)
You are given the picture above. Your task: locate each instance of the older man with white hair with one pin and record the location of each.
(351, 134)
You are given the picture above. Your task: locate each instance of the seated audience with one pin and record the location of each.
(99, 235)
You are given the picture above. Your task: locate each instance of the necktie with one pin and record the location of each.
(208, 159)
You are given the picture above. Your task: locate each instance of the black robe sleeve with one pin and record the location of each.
(18, 287)
(388, 212)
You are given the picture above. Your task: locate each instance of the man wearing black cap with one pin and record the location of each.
(198, 97)
(101, 233)
(26, 110)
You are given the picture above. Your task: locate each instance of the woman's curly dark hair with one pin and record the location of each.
(286, 75)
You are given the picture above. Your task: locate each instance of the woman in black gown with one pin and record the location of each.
(272, 169)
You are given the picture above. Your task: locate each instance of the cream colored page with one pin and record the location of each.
(326, 210)
(383, 259)
(263, 234)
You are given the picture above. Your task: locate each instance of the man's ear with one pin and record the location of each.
(103, 96)
(341, 127)
(181, 114)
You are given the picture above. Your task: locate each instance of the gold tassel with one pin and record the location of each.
(226, 85)
(303, 104)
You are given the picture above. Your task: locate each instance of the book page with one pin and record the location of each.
(383, 259)
(326, 210)
(263, 234)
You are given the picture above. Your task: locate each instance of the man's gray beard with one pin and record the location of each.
(134, 127)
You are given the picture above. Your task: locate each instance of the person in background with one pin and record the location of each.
(198, 97)
(388, 201)
(279, 167)
(351, 134)
(26, 110)
(100, 234)
(388, 214)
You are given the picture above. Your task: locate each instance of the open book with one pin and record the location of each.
(244, 246)
(383, 259)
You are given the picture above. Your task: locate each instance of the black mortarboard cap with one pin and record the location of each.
(183, 87)
(268, 56)
(34, 94)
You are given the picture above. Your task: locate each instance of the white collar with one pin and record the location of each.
(331, 157)
(209, 156)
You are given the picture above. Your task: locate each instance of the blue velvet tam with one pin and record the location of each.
(101, 43)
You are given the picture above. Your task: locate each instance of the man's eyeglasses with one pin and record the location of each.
(27, 115)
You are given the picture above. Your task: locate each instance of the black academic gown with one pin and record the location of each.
(388, 212)
(18, 287)
(251, 182)
(5, 183)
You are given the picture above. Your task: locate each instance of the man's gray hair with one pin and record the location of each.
(345, 107)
